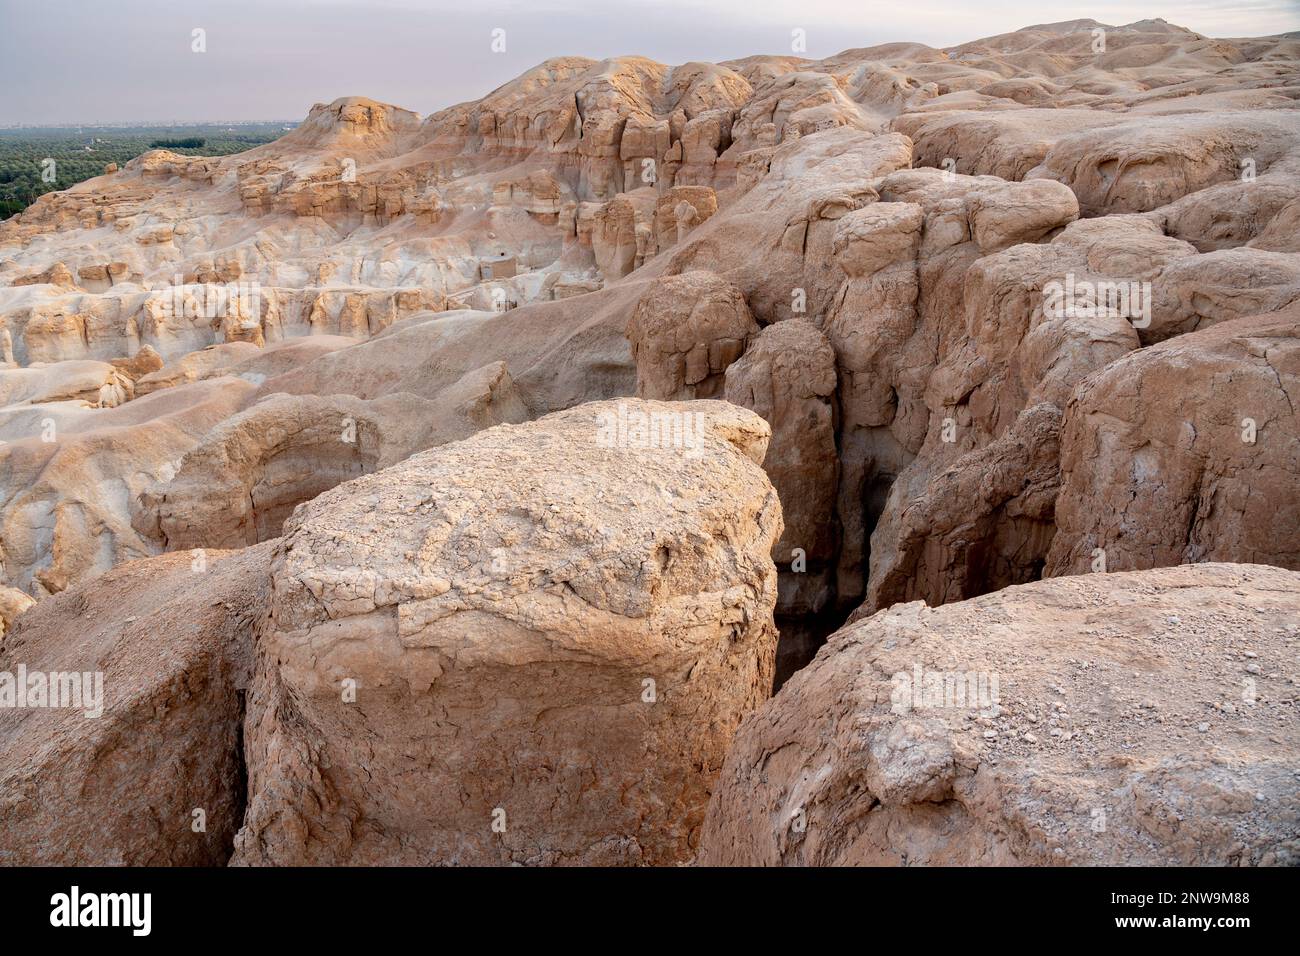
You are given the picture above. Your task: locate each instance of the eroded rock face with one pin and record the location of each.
(788, 376)
(1106, 719)
(249, 473)
(1195, 292)
(1188, 451)
(685, 332)
(1146, 163)
(909, 261)
(862, 250)
(582, 190)
(983, 523)
(154, 778)
(75, 470)
(552, 631)
(680, 210)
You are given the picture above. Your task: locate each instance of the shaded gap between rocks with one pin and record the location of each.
(241, 775)
(801, 636)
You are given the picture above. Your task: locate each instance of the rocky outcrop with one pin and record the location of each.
(1040, 319)
(1012, 310)
(141, 763)
(1149, 162)
(249, 473)
(982, 523)
(909, 262)
(1195, 292)
(787, 375)
(1106, 719)
(680, 210)
(73, 471)
(531, 646)
(684, 333)
(1186, 452)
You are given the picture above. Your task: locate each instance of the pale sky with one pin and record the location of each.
(75, 61)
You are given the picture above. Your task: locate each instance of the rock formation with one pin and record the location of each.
(788, 376)
(561, 661)
(684, 333)
(1184, 452)
(531, 646)
(1122, 719)
(147, 768)
(502, 412)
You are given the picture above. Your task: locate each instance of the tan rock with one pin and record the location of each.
(185, 342)
(57, 275)
(153, 778)
(908, 373)
(680, 210)
(1076, 740)
(1187, 451)
(1149, 162)
(141, 364)
(685, 332)
(76, 468)
(875, 236)
(249, 473)
(614, 233)
(787, 375)
(983, 523)
(552, 629)
(12, 603)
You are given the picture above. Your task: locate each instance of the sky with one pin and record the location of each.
(101, 61)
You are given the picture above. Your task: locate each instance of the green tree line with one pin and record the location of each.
(79, 155)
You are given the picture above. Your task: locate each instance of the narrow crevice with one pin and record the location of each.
(241, 775)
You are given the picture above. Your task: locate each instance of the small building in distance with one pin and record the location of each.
(500, 266)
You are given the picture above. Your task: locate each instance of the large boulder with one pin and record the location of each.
(1106, 719)
(530, 646)
(146, 770)
(685, 331)
(1186, 451)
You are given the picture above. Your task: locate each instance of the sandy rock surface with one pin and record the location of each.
(959, 321)
(1126, 719)
(157, 734)
(531, 646)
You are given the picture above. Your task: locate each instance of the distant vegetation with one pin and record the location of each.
(81, 153)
